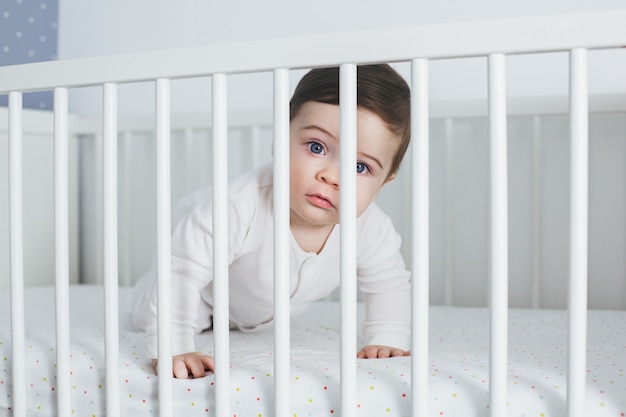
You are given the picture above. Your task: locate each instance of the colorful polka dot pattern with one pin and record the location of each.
(459, 374)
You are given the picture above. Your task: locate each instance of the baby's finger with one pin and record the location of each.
(370, 352)
(179, 369)
(398, 352)
(383, 352)
(196, 366)
(208, 362)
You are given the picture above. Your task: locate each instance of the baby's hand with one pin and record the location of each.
(189, 365)
(376, 351)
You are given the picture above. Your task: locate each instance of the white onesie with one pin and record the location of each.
(382, 276)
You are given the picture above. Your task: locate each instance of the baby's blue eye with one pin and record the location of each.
(361, 168)
(316, 148)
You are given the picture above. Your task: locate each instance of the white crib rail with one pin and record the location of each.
(111, 314)
(499, 272)
(220, 246)
(61, 227)
(420, 365)
(347, 100)
(17, 254)
(579, 238)
(281, 242)
(164, 244)
(450, 40)
(553, 33)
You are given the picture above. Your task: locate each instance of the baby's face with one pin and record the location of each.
(314, 161)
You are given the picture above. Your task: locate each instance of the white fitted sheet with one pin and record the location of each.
(458, 353)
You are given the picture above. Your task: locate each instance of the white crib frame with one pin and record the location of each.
(575, 33)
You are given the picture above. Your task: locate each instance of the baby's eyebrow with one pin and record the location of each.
(321, 129)
(373, 159)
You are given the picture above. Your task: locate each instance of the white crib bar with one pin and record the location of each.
(127, 202)
(499, 236)
(255, 145)
(420, 237)
(61, 226)
(347, 99)
(281, 243)
(220, 246)
(164, 243)
(536, 216)
(111, 319)
(188, 135)
(449, 212)
(17, 254)
(577, 343)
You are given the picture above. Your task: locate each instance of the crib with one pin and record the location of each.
(68, 349)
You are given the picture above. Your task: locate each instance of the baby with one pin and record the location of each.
(383, 133)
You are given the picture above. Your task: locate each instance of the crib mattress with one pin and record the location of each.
(459, 371)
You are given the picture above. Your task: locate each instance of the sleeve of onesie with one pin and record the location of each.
(192, 270)
(384, 281)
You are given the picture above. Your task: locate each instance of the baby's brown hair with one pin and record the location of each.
(380, 89)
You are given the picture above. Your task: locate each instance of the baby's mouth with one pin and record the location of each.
(320, 201)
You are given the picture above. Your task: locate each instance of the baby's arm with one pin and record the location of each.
(189, 365)
(385, 283)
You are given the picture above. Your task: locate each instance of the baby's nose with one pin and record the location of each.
(329, 175)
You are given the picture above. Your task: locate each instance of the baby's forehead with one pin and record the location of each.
(314, 108)
(327, 117)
